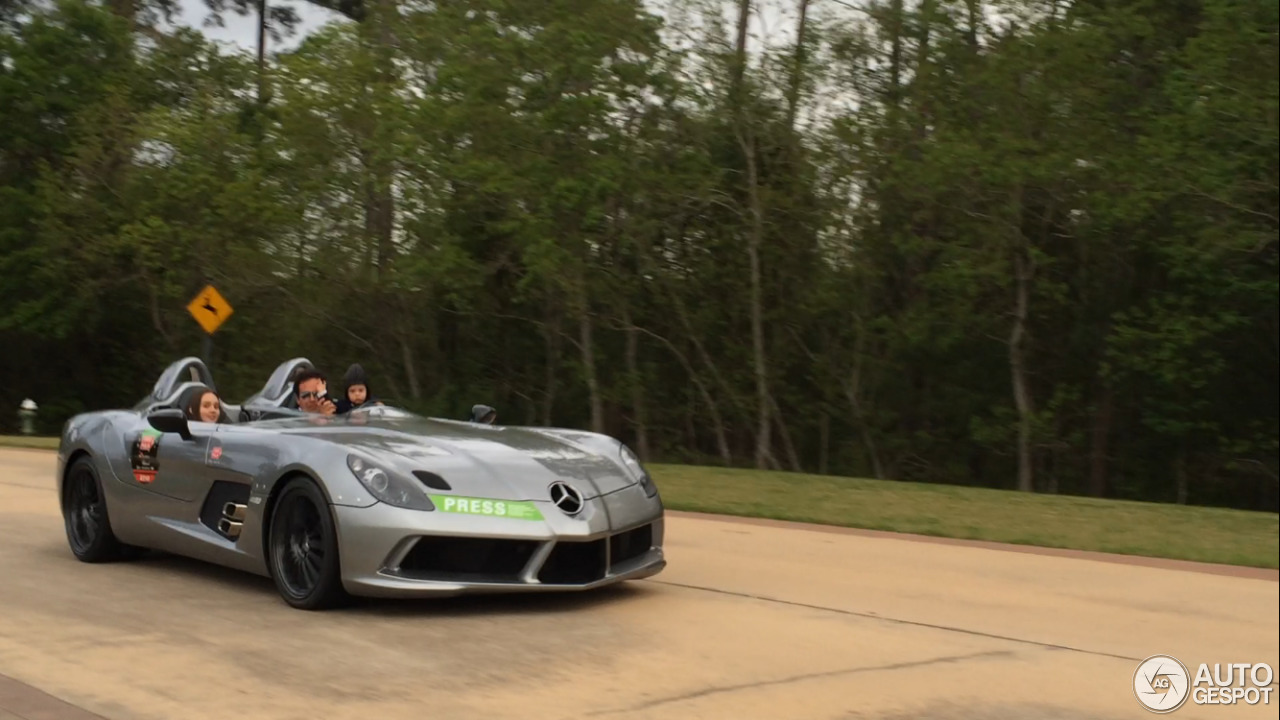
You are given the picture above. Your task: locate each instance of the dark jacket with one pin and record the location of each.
(355, 375)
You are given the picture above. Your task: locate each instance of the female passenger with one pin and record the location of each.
(205, 407)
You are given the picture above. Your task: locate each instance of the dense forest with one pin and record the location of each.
(1020, 244)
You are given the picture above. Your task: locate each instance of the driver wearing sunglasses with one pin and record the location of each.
(313, 392)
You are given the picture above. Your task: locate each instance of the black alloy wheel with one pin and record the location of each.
(84, 512)
(304, 548)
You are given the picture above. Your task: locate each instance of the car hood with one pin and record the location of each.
(500, 462)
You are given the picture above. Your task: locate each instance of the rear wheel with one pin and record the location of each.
(303, 548)
(84, 513)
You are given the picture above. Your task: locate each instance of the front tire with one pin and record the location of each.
(303, 548)
(84, 515)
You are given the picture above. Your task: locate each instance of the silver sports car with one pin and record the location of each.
(377, 502)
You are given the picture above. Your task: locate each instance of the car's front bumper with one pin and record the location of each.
(392, 552)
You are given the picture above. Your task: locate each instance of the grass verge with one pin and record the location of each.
(34, 441)
(1233, 537)
(1216, 535)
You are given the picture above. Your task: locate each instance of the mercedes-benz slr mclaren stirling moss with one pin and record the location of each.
(377, 502)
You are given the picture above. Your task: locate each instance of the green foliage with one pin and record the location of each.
(481, 202)
(1198, 534)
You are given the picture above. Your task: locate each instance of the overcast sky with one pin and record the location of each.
(773, 18)
(243, 29)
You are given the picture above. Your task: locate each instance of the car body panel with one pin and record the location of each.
(170, 492)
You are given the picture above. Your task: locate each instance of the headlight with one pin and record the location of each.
(388, 488)
(636, 470)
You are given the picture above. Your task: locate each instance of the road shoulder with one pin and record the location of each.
(31, 703)
(1238, 571)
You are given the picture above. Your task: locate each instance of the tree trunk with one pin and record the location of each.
(922, 110)
(393, 386)
(763, 438)
(439, 373)
(1023, 269)
(636, 385)
(754, 242)
(379, 216)
(410, 372)
(385, 208)
(740, 49)
(771, 461)
(157, 319)
(690, 431)
(262, 50)
(738, 102)
(553, 365)
(797, 66)
(126, 9)
(589, 369)
(853, 391)
(1099, 441)
(717, 421)
(925, 20)
(756, 238)
(379, 200)
(824, 442)
(975, 16)
(404, 327)
(683, 315)
(895, 52)
(1180, 476)
(792, 458)
(868, 442)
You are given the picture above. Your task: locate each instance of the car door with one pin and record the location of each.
(169, 465)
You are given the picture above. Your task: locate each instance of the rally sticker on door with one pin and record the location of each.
(143, 456)
(514, 509)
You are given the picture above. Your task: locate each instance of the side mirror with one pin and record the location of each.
(170, 420)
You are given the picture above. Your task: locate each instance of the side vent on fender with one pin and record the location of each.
(224, 508)
(431, 480)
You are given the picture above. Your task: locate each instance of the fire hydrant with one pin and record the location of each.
(27, 413)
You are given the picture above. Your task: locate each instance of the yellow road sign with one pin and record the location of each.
(210, 309)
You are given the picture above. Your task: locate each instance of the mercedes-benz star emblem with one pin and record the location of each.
(566, 497)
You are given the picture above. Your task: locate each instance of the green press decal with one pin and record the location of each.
(514, 509)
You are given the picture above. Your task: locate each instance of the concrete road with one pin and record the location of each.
(750, 621)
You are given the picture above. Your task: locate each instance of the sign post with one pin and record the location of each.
(209, 309)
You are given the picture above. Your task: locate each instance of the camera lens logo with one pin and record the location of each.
(1161, 683)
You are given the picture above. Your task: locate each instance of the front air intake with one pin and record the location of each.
(630, 545)
(574, 563)
(467, 559)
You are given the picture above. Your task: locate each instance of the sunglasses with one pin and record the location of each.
(317, 394)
